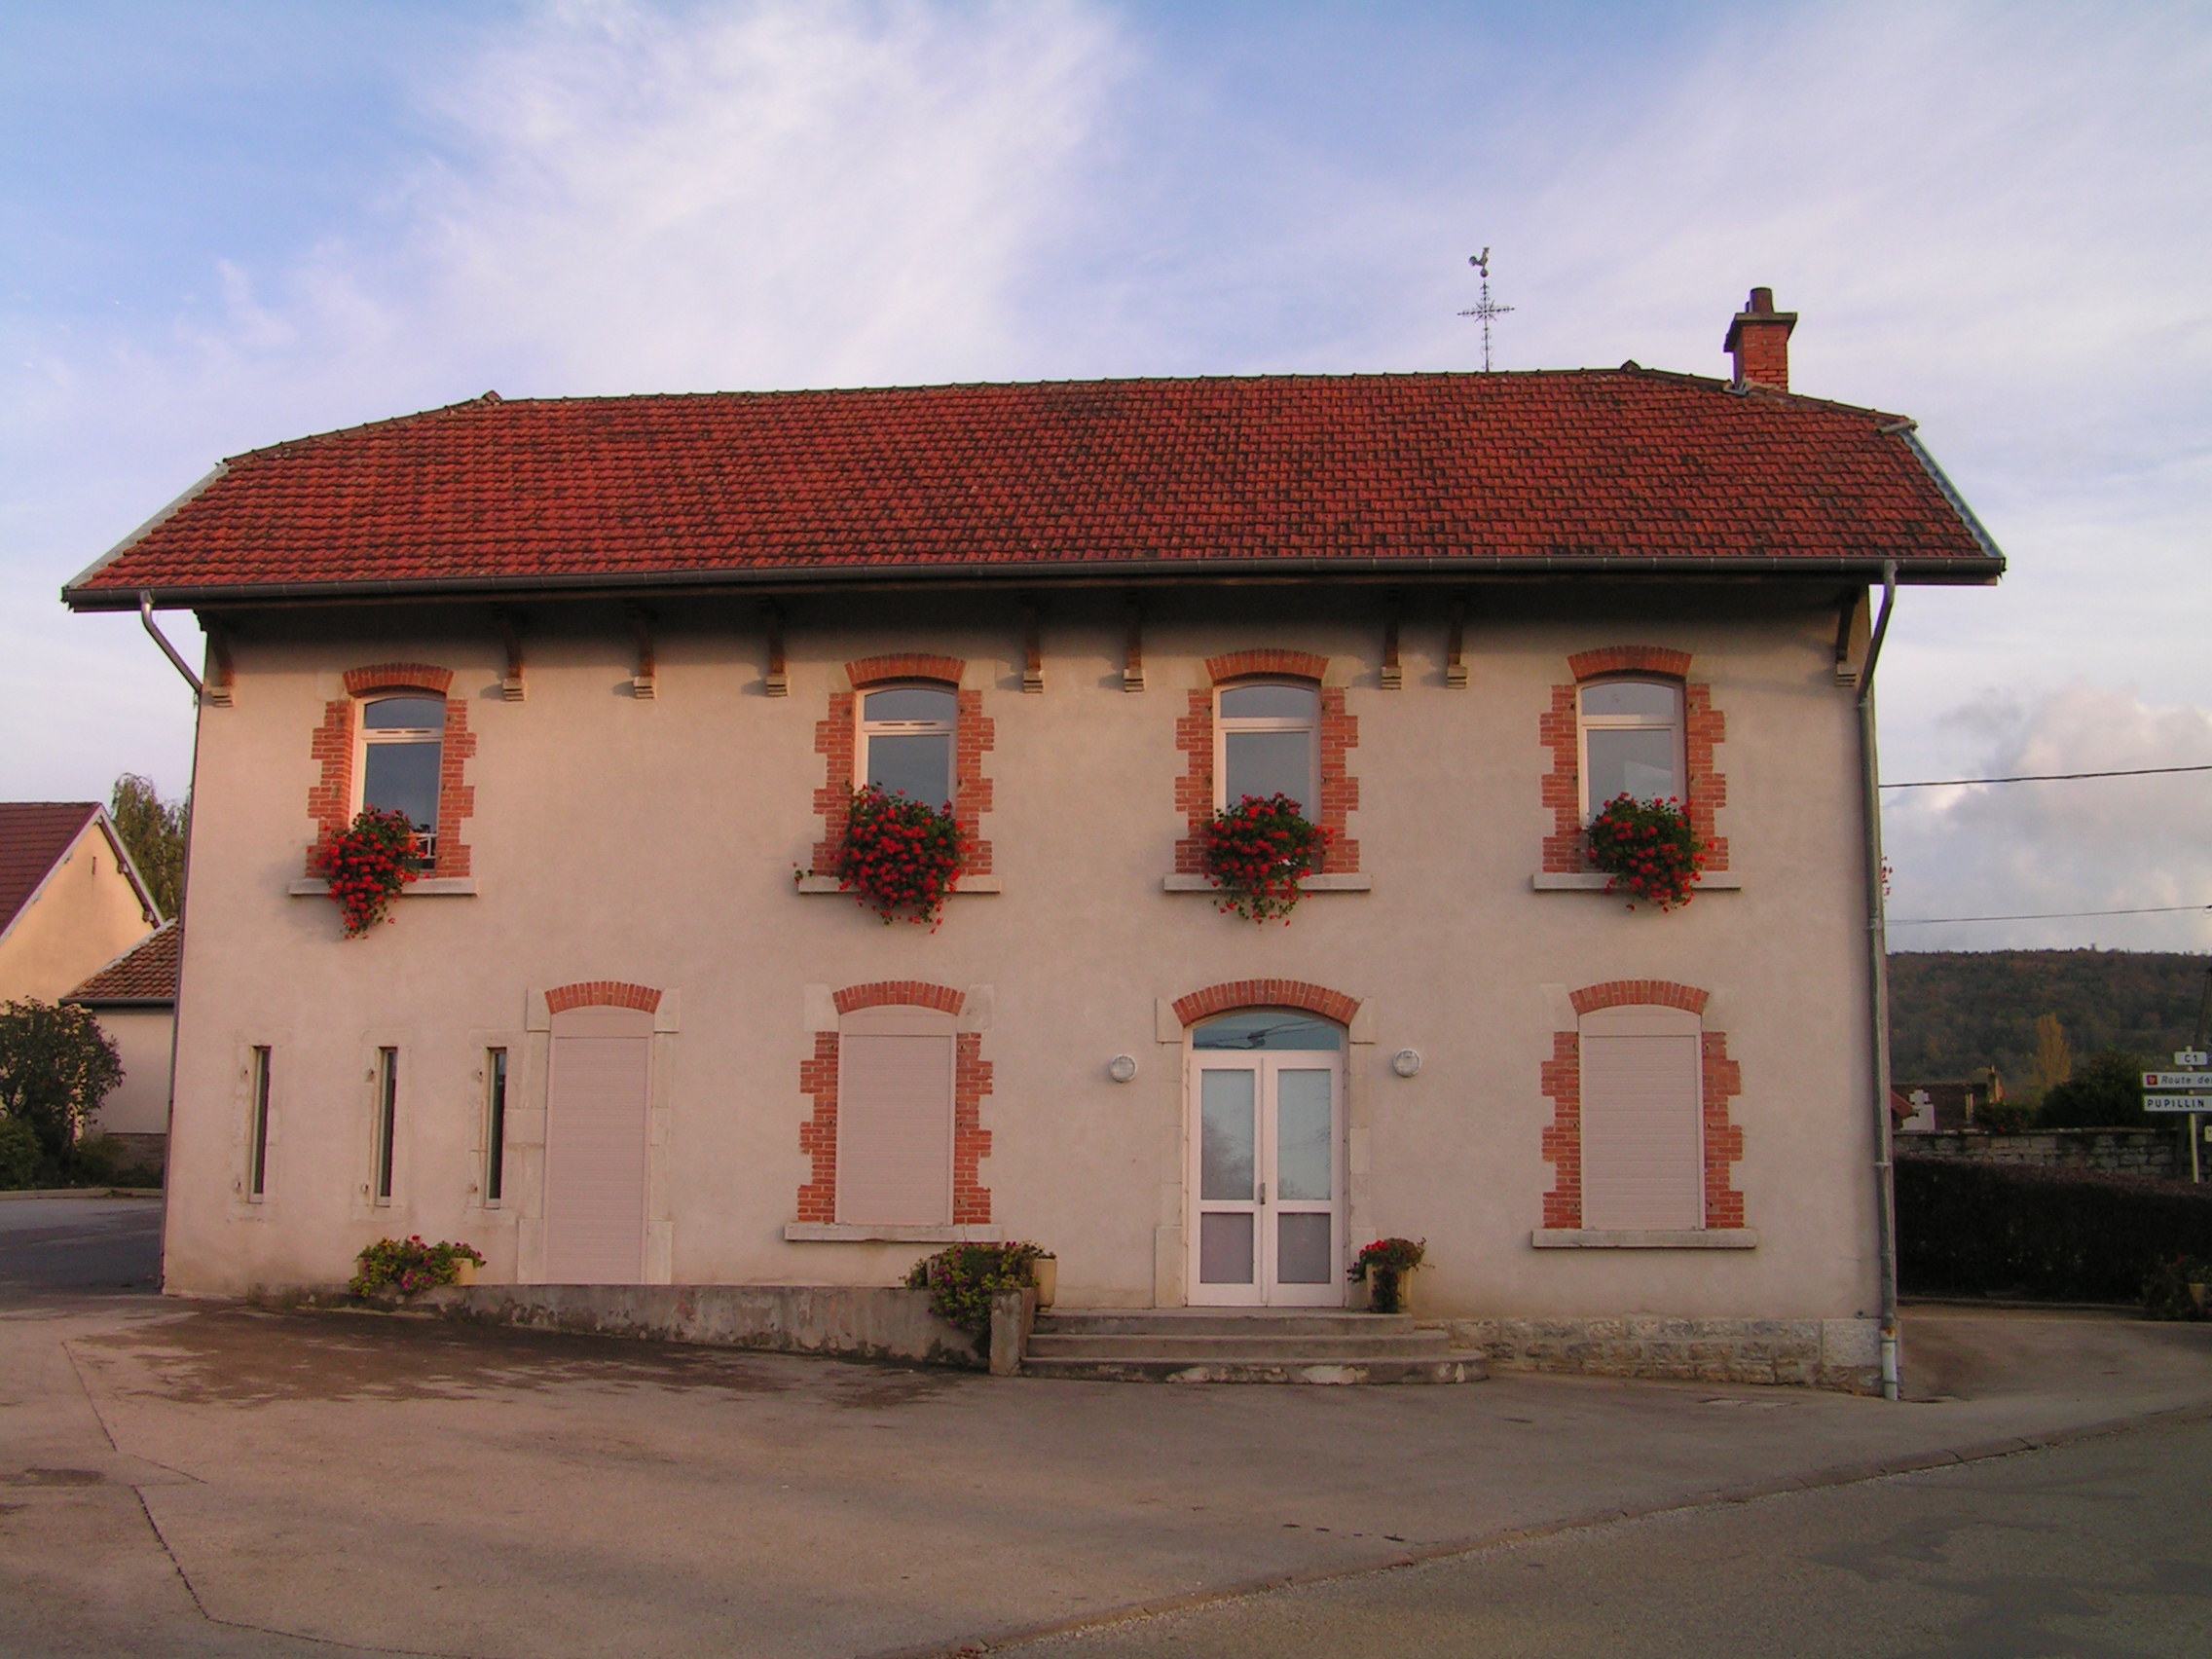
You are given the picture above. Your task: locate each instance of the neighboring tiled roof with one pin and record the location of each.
(33, 837)
(1580, 469)
(146, 973)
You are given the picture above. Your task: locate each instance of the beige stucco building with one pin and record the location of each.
(70, 901)
(622, 659)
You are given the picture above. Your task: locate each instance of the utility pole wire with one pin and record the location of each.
(2045, 777)
(2045, 916)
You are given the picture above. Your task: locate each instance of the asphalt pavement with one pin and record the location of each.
(208, 1479)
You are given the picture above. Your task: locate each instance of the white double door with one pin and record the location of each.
(1266, 1180)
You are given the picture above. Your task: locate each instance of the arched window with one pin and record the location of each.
(1632, 742)
(402, 762)
(906, 745)
(1266, 741)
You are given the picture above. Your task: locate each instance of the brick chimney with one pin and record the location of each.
(1758, 340)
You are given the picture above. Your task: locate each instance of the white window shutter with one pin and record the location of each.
(1642, 1121)
(894, 1126)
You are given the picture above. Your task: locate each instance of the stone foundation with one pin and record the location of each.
(1823, 1353)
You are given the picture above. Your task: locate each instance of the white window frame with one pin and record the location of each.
(1224, 724)
(1585, 724)
(364, 738)
(868, 729)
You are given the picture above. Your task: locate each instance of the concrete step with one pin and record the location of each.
(1222, 1323)
(1449, 1368)
(1206, 1346)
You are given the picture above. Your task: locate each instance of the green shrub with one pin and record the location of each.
(23, 1161)
(962, 1281)
(408, 1264)
(2107, 1093)
(56, 1065)
(2167, 1293)
(2069, 1235)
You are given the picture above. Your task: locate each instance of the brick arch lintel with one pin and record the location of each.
(601, 993)
(901, 993)
(1638, 993)
(905, 665)
(1629, 659)
(398, 677)
(1265, 993)
(1240, 665)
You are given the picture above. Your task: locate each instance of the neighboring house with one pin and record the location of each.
(624, 657)
(1946, 1108)
(134, 999)
(70, 899)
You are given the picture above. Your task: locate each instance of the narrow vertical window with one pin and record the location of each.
(1268, 745)
(387, 1116)
(907, 742)
(257, 1149)
(1632, 742)
(496, 1124)
(403, 745)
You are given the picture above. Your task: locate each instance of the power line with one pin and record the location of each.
(2043, 778)
(2045, 916)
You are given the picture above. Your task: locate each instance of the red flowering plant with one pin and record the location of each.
(1384, 1264)
(899, 855)
(1648, 849)
(367, 864)
(1256, 851)
(408, 1264)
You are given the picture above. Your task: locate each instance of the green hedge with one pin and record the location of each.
(2069, 1234)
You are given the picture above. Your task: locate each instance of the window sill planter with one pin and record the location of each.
(430, 887)
(871, 1232)
(1594, 881)
(966, 884)
(1644, 1238)
(1350, 883)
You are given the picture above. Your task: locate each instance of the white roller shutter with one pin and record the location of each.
(1642, 1119)
(894, 1120)
(595, 1147)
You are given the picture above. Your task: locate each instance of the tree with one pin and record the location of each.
(2055, 1055)
(2107, 1093)
(152, 831)
(56, 1066)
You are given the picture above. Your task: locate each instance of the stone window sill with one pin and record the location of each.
(1644, 1238)
(1348, 883)
(1594, 881)
(966, 884)
(862, 1233)
(430, 887)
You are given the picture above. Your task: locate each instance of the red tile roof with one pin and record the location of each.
(1579, 469)
(33, 837)
(146, 973)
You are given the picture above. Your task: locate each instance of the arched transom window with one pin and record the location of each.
(402, 755)
(906, 745)
(1266, 735)
(1632, 742)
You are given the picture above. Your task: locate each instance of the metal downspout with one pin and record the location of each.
(1878, 963)
(146, 619)
(183, 892)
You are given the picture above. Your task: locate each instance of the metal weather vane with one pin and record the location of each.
(1483, 307)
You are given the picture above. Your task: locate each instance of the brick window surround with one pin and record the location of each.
(1723, 1080)
(330, 801)
(837, 739)
(601, 993)
(1561, 731)
(1338, 735)
(970, 1082)
(1265, 993)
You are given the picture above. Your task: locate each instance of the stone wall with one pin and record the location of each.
(1826, 1354)
(2125, 1152)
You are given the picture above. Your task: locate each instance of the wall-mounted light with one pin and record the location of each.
(1405, 1061)
(1122, 1067)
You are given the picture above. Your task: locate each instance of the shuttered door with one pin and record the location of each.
(1642, 1134)
(595, 1147)
(895, 1121)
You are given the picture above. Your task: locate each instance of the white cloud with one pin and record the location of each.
(2098, 844)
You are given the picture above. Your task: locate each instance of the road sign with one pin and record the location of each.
(2176, 1103)
(2193, 1057)
(2199, 1080)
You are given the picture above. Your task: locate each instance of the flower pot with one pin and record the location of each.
(1045, 1275)
(463, 1270)
(2197, 1294)
(1390, 1290)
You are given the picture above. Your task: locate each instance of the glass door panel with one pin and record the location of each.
(1228, 1180)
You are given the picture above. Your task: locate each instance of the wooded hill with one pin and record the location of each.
(1953, 1011)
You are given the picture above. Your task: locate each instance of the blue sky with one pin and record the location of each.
(221, 226)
